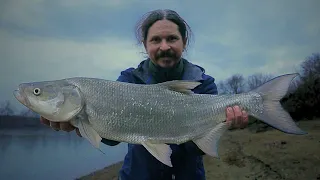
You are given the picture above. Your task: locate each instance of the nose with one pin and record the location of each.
(164, 46)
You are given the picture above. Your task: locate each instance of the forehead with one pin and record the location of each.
(162, 28)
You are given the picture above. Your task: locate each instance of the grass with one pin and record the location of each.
(265, 156)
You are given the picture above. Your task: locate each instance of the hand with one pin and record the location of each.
(65, 126)
(236, 118)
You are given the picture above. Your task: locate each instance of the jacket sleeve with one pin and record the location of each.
(125, 76)
(208, 86)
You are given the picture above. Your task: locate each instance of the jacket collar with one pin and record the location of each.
(191, 71)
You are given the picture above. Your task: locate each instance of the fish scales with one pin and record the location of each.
(159, 115)
(118, 121)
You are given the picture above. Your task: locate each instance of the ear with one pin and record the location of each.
(185, 43)
(144, 44)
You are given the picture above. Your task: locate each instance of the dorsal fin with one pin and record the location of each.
(182, 86)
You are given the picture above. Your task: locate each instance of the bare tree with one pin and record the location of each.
(235, 84)
(222, 89)
(6, 109)
(258, 79)
(311, 66)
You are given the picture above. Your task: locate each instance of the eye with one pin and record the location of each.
(37, 91)
(155, 39)
(172, 38)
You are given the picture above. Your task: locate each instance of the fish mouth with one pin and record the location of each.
(21, 98)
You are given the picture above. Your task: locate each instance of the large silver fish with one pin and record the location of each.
(153, 115)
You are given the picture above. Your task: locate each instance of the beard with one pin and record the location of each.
(166, 59)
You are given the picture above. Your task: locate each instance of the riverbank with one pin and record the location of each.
(265, 156)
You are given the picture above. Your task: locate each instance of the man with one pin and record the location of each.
(165, 36)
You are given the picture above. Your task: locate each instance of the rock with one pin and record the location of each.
(275, 144)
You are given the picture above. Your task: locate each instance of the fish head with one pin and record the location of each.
(55, 100)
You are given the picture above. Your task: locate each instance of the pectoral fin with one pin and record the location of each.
(209, 143)
(88, 132)
(162, 152)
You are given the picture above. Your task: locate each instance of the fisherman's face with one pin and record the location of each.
(164, 43)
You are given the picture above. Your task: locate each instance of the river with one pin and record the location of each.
(47, 154)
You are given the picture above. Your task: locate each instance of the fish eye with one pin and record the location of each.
(37, 91)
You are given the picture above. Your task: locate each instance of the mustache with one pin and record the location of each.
(166, 54)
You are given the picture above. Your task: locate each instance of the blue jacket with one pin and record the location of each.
(186, 159)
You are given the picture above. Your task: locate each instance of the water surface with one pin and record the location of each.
(47, 154)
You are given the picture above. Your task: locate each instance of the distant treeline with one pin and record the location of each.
(7, 122)
(11, 119)
(304, 102)
(303, 98)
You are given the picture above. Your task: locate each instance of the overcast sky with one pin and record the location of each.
(46, 40)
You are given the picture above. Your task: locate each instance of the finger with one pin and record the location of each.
(238, 116)
(229, 116)
(66, 126)
(44, 121)
(245, 119)
(78, 132)
(55, 125)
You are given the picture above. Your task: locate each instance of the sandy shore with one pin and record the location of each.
(263, 156)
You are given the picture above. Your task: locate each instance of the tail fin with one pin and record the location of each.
(273, 113)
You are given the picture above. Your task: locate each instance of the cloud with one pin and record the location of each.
(76, 19)
(247, 37)
(28, 52)
(30, 59)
